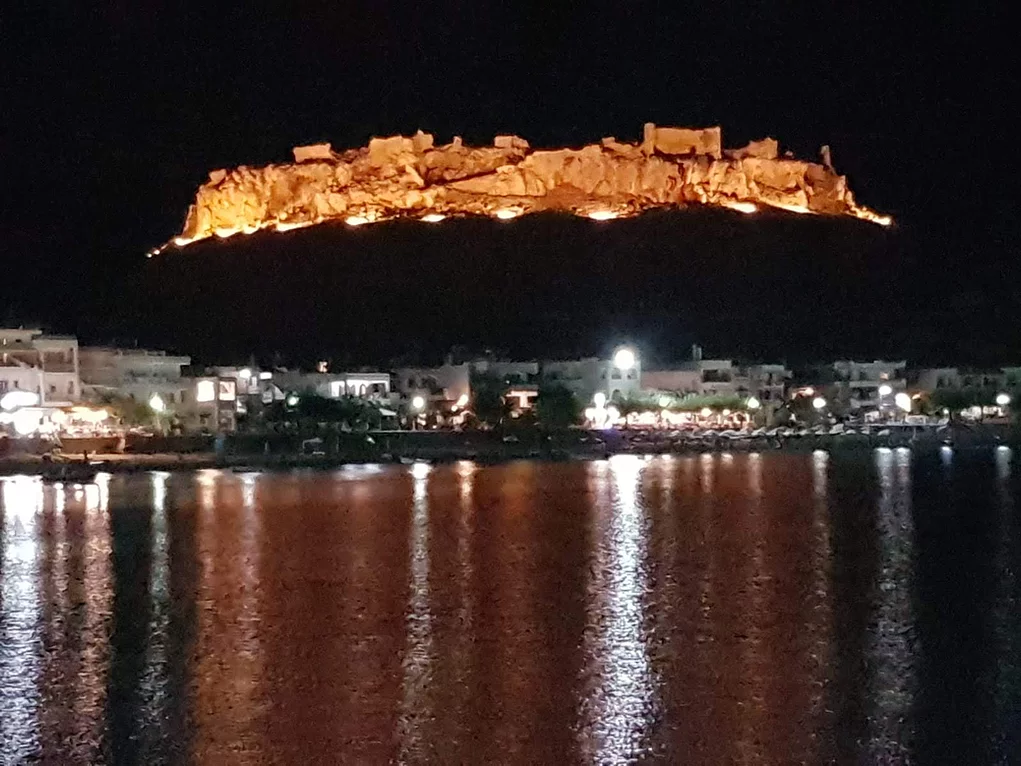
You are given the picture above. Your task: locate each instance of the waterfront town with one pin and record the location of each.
(53, 388)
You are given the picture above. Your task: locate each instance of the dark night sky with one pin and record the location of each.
(112, 117)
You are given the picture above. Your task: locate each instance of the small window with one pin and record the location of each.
(70, 388)
(53, 389)
(616, 374)
(170, 398)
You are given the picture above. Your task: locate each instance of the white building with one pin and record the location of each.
(447, 382)
(767, 382)
(452, 382)
(210, 404)
(859, 383)
(586, 377)
(133, 373)
(46, 365)
(720, 377)
(334, 385)
(931, 379)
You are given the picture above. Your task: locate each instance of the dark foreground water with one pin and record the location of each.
(711, 609)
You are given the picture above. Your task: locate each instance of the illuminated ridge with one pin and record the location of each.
(410, 177)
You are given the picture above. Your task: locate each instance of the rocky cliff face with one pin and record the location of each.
(411, 177)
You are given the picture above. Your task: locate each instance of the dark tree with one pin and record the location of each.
(557, 407)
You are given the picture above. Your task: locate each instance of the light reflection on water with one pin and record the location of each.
(759, 608)
(416, 710)
(19, 640)
(891, 663)
(619, 694)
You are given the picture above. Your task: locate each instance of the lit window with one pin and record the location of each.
(205, 391)
(227, 391)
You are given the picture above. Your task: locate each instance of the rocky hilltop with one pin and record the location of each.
(412, 177)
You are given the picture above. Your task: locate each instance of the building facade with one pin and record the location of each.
(721, 377)
(859, 385)
(374, 386)
(592, 375)
(46, 365)
(136, 374)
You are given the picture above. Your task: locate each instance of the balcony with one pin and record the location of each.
(49, 366)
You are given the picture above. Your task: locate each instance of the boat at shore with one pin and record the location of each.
(74, 473)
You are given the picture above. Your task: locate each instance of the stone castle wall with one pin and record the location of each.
(411, 176)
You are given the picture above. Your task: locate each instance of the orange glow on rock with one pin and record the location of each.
(411, 177)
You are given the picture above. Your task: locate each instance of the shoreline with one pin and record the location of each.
(31, 465)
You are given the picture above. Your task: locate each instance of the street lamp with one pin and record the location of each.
(885, 390)
(624, 359)
(1002, 400)
(753, 403)
(819, 403)
(12, 400)
(417, 405)
(244, 373)
(157, 406)
(903, 401)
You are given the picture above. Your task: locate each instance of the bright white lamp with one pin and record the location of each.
(156, 404)
(418, 403)
(819, 403)
(14, 399)
(624, 359)
(25, 422)
(1003, 399)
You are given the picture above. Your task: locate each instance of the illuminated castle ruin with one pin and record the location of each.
(413, 178)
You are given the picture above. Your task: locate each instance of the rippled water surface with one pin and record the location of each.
(713, 609)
